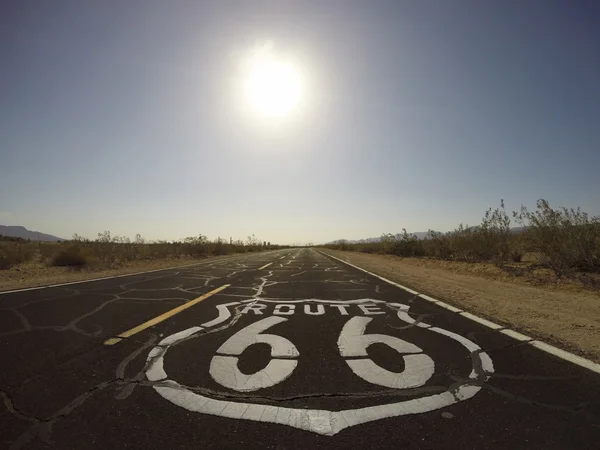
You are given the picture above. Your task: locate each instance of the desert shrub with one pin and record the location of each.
(47, 250)
(516, 255)
(14, 253)
(496, 234)
(343, 245)
(5, 262)
(220, 248)
(405, 244)
(195, 246)
(13, 239)
(104, 247)
(437, 245)
(160, 249)
(469, 244)
(108, 249)
(565, 239)
(72, 256)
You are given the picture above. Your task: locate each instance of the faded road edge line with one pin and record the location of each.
(265, 266)
(162, 317)
(540, 345)
(210, 260)
(96, 279)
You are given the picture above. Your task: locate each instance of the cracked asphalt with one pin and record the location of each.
(343, 360)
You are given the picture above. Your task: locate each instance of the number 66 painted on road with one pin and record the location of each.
(352, 343)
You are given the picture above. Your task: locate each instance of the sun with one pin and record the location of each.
(273, 85)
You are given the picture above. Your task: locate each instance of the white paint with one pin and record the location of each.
(332, 302)
(482, 321)
(255, 308)
(228, 258)
(224, 314)
(371, 310)
(374, 275)
(354, 342)
(99, 279)
(419, 369)
(428, 298)
(343, 309)
(322, 422)
(404, 316)
(320, 310)
(448, 307)
(582, 362)
(177, 337)
(299, 273)
(516, 335)
(565, 355)
(289, 309)
(240, 341)
(224, 369)
(486, 361)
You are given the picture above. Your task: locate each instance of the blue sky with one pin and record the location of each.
(123, 116)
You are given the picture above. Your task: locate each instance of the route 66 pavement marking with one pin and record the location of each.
(543, 346)
(353, 342)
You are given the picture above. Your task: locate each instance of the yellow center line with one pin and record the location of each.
(265, 266)
(162, 317)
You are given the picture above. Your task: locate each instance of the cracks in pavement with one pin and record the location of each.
(125, 293)
(508, 376)
(10, 407)
(41, 428)
(122, 367)
(419, 318)
(24, 322)
(430, 390)
(583, 409)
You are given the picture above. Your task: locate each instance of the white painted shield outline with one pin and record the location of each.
(318, 421)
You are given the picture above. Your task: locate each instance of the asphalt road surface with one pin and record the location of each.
(289, 349)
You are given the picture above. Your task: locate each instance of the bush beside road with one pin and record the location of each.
(564, 241)
(564, 314)
(26, 264)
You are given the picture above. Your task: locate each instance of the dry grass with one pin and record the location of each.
(559, 311)
(26, 264)
(566, 241)
(33, 274)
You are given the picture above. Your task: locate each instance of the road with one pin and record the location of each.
(277, 350)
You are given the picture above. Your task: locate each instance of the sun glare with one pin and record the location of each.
(272, 84)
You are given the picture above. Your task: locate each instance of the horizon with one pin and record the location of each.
(296, 122)
(243, 239)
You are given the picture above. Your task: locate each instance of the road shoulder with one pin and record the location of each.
(39, 275)
(570, 320)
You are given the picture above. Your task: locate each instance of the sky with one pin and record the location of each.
(128, 116)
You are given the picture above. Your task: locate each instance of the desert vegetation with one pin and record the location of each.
(109, 251)
(562, 240)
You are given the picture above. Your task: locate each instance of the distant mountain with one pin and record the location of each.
(22, 232)
(419, 234)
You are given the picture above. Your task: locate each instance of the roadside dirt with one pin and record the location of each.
(35, 274)
(565, 315)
